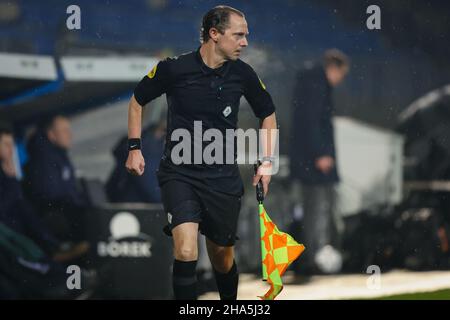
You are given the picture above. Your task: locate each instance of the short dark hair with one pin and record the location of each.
(47, 123)
(218, 17)
(335, 57)
(5, 130)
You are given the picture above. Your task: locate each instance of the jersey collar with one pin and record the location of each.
(221, 71)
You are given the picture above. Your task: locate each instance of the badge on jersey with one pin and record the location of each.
(152, 72)
(262, 84)
(226, 112)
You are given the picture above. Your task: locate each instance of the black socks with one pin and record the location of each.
(227, 283)
(184, 280)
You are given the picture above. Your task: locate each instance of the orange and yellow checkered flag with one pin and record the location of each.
(279, 250)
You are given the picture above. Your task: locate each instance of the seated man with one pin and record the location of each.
(50, 180)
(123, 187)
(15, 211)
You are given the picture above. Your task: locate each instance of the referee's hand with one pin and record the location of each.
(264, 173)
(135, 163)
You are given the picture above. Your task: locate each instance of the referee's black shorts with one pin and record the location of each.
(216, 213)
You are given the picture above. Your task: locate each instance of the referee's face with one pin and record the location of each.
(234, 39)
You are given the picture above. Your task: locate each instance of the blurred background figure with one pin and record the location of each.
(32, 259)
(51, 183)
(15, 211)
(313, 155)
(123, 187)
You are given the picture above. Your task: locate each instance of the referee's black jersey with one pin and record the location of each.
(196, 92)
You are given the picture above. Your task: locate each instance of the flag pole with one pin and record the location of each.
(260, 199)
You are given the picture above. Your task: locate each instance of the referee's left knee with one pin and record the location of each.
(222, 258)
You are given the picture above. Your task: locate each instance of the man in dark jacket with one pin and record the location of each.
(313, 156)
(51, 182)
(15, 211)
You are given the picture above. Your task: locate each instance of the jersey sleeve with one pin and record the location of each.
(154, 84)
(256, 94)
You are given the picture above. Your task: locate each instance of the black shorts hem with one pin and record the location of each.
(169, 227)
(221, 241)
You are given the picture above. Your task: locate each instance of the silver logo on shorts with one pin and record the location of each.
(169, 217)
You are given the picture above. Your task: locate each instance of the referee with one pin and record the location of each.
(204, 85)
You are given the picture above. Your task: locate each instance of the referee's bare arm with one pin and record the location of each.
(268, 145)
(135, 162)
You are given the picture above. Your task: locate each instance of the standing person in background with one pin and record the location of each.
(312, 151)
